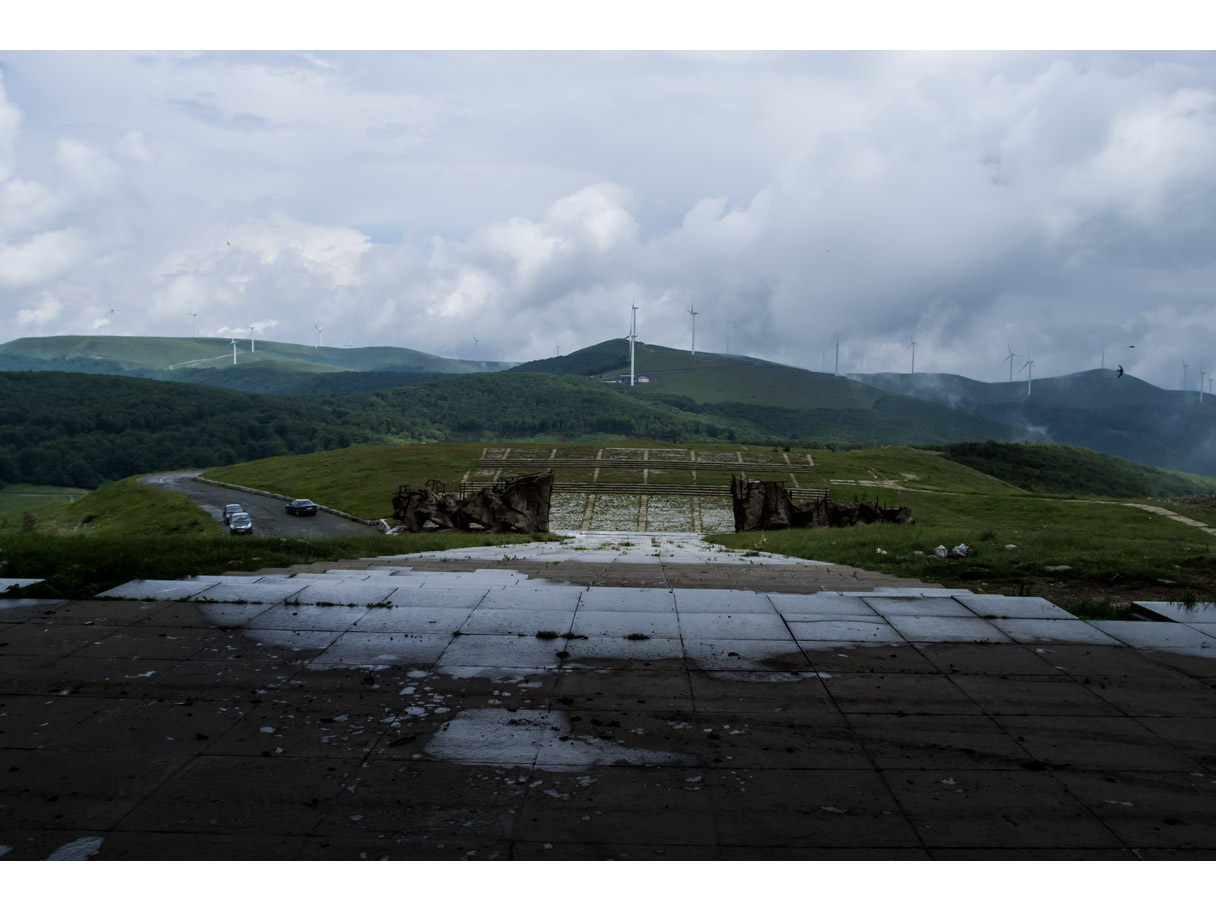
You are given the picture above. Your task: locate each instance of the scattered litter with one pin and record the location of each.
(940, 551)
(879, 551)
(960, 550)
(1010, 547)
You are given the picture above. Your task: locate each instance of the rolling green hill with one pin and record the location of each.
(774, 401)
(120, 354)
(1055, 469)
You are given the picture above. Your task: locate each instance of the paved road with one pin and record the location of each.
(269, 516)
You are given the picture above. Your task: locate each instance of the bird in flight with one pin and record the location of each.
(1120, 373)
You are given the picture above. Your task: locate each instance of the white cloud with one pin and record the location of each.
(132, 146)
(968, 199)
(88, 170)
(46, 311)
(44, 257)
(27, 206)
(10, 122)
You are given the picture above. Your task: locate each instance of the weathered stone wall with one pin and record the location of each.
(518, 505)
(764, 505)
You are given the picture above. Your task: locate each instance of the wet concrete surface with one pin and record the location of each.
(317, 717)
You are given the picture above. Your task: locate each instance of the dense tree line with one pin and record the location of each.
(73, 429)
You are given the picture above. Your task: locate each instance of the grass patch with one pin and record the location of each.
(362, 479)
(1059, 544)
(547, 634)
(129, 507)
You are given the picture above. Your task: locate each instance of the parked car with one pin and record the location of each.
(231, 510)
(240, 524)
(302, 508)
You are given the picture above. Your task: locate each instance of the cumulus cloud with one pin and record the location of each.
(10, 121)
(27, 206)
(46, 311)
(970, 201)
(88, 170)
(44, 257)
(132, 146)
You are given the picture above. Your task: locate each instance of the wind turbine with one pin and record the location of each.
(233, 344)
(194, 323)
(474, 348)
(317, 330)
(1184, 367)
(1009, 357)
(694, 327)
(1029, 368)
(836, 369)
(633, 335)
(1202, 373)
(111, 316)
(252, 344)
(912, 345)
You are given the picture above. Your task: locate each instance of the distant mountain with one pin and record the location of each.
(279, 367)
(775, 401)
(399, 394)
(1094, 409)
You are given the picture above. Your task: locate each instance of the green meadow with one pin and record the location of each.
(1090, 553)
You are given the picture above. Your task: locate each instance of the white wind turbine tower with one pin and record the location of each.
(694, 327)
(233, 344)
(252, 344)
(912, 345)
(1202, 374)
(1184, 367)
(475, 356)
(836, 369)
(1029, 368)
(1009, 357)
(317, 329)
(633, 335)
(111, 316)
(194, 322)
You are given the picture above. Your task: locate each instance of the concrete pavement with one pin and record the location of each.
(640, 697)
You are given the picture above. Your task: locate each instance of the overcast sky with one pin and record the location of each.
(1047, 201)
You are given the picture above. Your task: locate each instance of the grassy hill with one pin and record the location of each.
(773, 401)
(1056, 469)
(153, 355)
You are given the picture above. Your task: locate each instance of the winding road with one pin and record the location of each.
(270, 520)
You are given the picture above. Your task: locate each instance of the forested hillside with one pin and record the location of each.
(72, 429)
